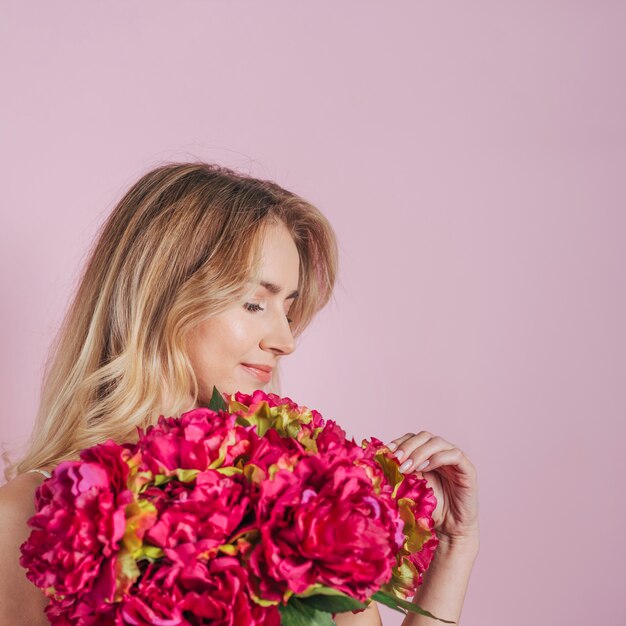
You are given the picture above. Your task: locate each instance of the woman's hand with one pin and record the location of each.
(453, 479)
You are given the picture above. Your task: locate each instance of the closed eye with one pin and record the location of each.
(253, 308)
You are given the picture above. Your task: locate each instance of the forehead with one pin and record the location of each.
(279, 258)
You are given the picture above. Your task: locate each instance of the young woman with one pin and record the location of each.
(202, 276)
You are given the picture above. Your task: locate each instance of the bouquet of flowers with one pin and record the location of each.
(251, 510)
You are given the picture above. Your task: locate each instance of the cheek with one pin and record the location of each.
(238, 330)
(222, 339)
(236, 335)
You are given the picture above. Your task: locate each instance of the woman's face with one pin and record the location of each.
(223, 348)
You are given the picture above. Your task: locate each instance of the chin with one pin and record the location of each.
(250, 385)
(245, 385)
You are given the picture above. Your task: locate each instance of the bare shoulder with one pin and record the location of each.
(18, 495)
(21, 603)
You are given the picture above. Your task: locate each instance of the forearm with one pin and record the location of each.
(445, 583)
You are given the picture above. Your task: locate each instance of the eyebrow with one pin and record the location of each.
(272, 288)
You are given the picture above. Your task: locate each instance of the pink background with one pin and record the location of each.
(471, 157)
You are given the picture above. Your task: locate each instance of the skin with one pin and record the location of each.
(21, 603)
(258, 331)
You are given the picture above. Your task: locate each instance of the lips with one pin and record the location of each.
(260, 372)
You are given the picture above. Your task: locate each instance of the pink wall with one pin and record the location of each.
(471, 157)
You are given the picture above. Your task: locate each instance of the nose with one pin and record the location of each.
(279, 339)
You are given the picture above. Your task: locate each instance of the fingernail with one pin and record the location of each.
(392, 446)
(399, 454)
(405, 466)
(423, 465)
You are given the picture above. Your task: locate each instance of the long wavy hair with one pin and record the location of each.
(179, 247)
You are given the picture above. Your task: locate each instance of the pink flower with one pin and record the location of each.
(218, 592)
(271, 449)
(113, 458)
(199, 439)
(156, 600)
(417, 503)
(423, 503)
(70, 613)
(213, 593)
(196, 518)
(254, 400)
(218, 517)
(332, 438)
(78, 526)
(261, 396)
(323, 522)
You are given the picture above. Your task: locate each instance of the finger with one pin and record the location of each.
(394, 443)
(452, 457)
(419, 459)
(411, 443)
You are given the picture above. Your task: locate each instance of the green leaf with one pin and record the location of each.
(217, 402)
(295, 613)
(186, 475)
(317, 589)
(398, 604)
(333, 603)
(152, 553)
(229, 470)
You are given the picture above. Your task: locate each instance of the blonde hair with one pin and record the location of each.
(179, 247)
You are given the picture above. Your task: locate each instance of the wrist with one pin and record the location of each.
(466, 546)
